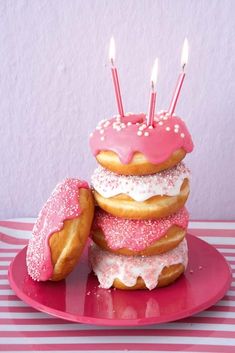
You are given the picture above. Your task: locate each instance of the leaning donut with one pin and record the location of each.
(61, 231)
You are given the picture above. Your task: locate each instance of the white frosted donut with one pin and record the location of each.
(127, 270)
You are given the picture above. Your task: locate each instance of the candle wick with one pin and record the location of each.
(112, 62)
(152, 86)
(183, 67)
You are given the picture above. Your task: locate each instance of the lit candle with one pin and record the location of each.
(115, 77)
(184, 61)
(153, 94)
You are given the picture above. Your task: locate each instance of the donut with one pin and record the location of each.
(138, 272)
(141, 197)
(128, 146)
(139, 237)
(61, 231)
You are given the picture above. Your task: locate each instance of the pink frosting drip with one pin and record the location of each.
(63, 204)
(130, 134)
(133, 234)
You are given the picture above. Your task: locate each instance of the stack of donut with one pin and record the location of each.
(140, 187)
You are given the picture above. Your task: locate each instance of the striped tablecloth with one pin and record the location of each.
(25, 329)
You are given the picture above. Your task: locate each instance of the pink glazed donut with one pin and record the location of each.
(61, 231)
(128, 146)
(139, 237)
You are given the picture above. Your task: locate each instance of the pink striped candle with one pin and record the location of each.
(153, 94)
(184, 60)
(115, 77)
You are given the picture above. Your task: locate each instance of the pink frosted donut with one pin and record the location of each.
(128, 146)
(60, 232)
(139, 237)
(137, 272)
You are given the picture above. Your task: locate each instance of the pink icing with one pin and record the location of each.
(108, 266)
(129, 134)
(63, 204)
(133, 234)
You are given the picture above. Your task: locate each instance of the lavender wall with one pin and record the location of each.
(55, 85)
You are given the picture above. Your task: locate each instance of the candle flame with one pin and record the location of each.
(112, 50)
(154, 74)
(184, 54)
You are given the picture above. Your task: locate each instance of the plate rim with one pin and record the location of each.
(124, 322)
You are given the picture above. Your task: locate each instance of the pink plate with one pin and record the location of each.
(79, 299)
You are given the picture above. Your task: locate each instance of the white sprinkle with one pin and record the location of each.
(160, 123)
(165, 118)
(137, 124)
(102, 138)
(168, 128)
(123, 125)
(182, 135)
(176, 126)
(168, 114)
(176, 131)
(146, 133)
(107, 124)
(150, 127)
(161, 116)
(139, 133)
(101, 131)
(129, 123)
(98, 127)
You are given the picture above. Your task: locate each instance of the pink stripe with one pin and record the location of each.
(3, 276)
(14, 251)
(212, 221)
(11, 240)
(48, 321)
(213, 232)
(10, 297)
(3, 267)
(207, 320)
(17, 225)
(125, 333)
(5, 286)
(18, 309)
(2, 258)
(119, 346)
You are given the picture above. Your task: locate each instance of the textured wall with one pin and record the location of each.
(55, 85)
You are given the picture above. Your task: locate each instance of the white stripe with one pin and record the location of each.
(224, 251)
(4, 245)
(34, 315)
(22, 220)
(6, 292)
(121, 339)
(12, 303)
(230, 292)
(211, 225)
(81, 327)
(232, 267)
(220, 314)
(230, 258)
(4, 281)
(16, 233)
(3, 272)
(219, 240)
(5, 263)
(7, 254)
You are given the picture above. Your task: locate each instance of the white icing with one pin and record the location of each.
(140, 188)
(108, 266)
